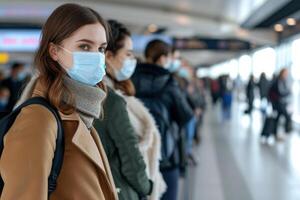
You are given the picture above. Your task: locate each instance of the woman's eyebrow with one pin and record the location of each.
(91, 42)
(86, 40)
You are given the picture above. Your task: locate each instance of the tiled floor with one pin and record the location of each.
(235, 165)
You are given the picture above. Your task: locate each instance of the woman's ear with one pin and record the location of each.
(109, 55)
(161, 61)
(109, 58)
(53, 51)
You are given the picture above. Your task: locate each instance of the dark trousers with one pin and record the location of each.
(250, 105)
(171, 178)
(281, 109)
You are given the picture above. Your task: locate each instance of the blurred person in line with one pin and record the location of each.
(161, 94)
(127, 124)
(200, 99)
(279, 94)
(2, 77)
(194, 91)
(263, 86)
(214, 90)
(187, 83)
(226, 95)
(175, 68)
(238, 85)
(4, 100)
(250, 94)
(182, 76)
(15, 83)
(70, 63)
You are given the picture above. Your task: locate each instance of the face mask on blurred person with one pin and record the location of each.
(183, 73)
(3, 103)
(175, 65)
(21, 76)
(88, 67)
(127, 70)
(168, 64)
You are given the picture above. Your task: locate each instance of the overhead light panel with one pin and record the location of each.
(278, 28)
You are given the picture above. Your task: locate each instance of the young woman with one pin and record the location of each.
(71, 53)
(125, 128)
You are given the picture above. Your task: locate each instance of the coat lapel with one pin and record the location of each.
(83, 140)
(97, 140)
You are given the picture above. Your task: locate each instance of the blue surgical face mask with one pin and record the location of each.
(88, 67)
(21, 76)
(127, 70)
(183, 73)
(3, 103)
(168, 64)
(175, 65)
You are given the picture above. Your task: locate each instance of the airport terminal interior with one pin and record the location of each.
(235, 66)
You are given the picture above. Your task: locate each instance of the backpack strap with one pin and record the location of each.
(59, 150)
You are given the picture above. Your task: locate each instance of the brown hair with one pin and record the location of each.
(118, 34)
(281, 73)
(155, 49)
(61, 24)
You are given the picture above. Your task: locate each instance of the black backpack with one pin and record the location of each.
(161, 115)
(7, 122)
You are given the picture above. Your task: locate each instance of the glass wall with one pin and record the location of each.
(264, 61)
(295, 68)
(245, 67)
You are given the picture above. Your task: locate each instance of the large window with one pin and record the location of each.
(264, 60)
(295, 71)
(283, 56)
(245, 67)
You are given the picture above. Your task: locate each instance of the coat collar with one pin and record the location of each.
(83, 138)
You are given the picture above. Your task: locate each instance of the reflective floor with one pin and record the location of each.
(234, 164)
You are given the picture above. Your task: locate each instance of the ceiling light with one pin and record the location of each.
(278, 28)
(183, 20)
(291, 21)
(152, 28)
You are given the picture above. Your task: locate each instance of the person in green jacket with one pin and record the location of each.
(121, 146)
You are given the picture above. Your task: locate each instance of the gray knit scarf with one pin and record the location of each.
(88, 100)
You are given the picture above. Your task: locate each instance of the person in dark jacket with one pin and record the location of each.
(263, 86)
(4, 98)
(215, 91)
(226, 95)
(279, 97)
(15, 83)
(155, 83)
(250, 94)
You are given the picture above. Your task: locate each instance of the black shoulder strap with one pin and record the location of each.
(59, 150)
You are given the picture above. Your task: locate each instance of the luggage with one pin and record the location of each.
(269, 126)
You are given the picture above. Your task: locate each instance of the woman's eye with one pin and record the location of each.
(84, 47)
(130, 55)
(102, 49)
